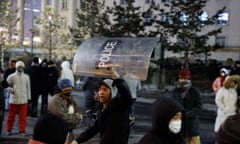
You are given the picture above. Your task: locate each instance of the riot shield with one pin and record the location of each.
(99, 56)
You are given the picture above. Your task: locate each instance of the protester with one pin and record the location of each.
(90, 87)
(167, 123)
(229, 132)
(226, 100)
(35, 78)
(66, 72)
(11, 69)
(112, 120)
(134, 85)
(49, 129)
(63, 106)
(53, 75)
(44, 85)
(20, 93)
(190, 98)
(218, 82)
(3, 85)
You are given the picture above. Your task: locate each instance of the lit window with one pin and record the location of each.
(203, 18)
(220, 41)
(223, 18)
(183, 18)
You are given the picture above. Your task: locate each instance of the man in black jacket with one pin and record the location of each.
(112, 120)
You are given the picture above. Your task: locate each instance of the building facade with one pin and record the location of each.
(229, 20)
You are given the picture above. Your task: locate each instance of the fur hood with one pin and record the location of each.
(231, 80)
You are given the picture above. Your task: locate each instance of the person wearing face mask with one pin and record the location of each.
(167, 123)
(226, 100)
(218, 82)
(189, 97)
(63, 105)
(20, 93)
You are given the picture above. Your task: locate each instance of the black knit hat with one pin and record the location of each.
(50, 129)
(229, 132)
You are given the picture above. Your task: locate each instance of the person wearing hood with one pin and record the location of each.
(219, 81)
(112, 121)
(167, 123)
(20, 93)
(63, 105)
(226, 100)
(66, 72)
(189, 97)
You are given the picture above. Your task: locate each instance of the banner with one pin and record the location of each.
(98, 57)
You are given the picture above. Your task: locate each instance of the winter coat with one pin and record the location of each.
(192, 103)
(44, 85)
(226, 101)
(19, 87)
(66, 72)
(52, 78)
(34, 74)
(58, 105)
(164, 108)
(217, 84)
(113, 122)
(133, 84)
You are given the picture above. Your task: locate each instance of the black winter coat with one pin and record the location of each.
(192, 104)
(113, 122)
(164, 108)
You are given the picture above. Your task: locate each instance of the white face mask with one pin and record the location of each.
(175, 126)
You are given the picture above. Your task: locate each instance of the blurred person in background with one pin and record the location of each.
(20, 93)
(35, 78)
(134, 86)
(11, 69)
(189, 97)
(219, 81)
(226, 100)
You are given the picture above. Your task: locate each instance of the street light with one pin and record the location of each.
(50, 38)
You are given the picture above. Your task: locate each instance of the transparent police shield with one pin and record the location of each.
(98, 57)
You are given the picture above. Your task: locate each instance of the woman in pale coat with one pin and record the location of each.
(226, 100)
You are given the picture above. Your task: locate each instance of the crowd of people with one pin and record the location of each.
(110, 105)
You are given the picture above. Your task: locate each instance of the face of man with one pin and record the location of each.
(104, 94)
(184, 82)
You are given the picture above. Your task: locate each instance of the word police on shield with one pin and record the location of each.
(128, 56)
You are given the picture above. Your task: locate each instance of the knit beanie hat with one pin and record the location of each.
(50, 129)
(65, 85)
(229, 132)
(184, 73)
(20, 64)
(109, 84)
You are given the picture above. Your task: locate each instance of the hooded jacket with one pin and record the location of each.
(163, 110)
(66, 72)
(112, 123)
